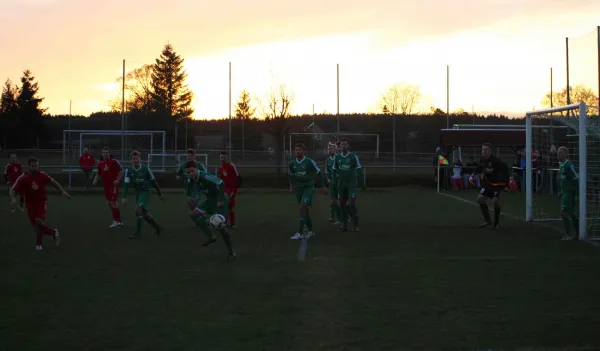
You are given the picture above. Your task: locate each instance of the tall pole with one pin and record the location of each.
(70, 110)
(598, 34)
(230, 143)
(393, 142)
(551, 90)
(123, 115)
(447, 96)
(568, 84)
(186, 133)
(338, 99)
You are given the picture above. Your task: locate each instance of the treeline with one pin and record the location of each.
(420, 130)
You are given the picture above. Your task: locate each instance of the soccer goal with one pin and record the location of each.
(173, 159)
(546, 131)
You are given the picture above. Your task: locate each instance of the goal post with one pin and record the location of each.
(542, 139)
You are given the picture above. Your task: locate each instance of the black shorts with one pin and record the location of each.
(491, 193)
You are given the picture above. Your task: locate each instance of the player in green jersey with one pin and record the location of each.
(216, 202)
(348, 171)
(332, 183)
(192, 198)
(569, 190)
(141, 177)
(302, 174)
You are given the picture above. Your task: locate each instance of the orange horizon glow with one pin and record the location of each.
(499, 57)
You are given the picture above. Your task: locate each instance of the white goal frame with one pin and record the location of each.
(161, 133)
(582, 131)
(178, 156)
(291, 150)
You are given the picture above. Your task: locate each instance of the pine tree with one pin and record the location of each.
(31, 115)
(170, 94)
(243, 107)
(8, 100)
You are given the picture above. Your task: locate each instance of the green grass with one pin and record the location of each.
(419, 275)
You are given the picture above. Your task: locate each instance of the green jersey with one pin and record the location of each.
(302, 172)
(569, 179)
(329, 168)
(347, 168)
(141, 178)
(210, 185)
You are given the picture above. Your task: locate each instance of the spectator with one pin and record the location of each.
(470, 169)
(457, 177)
(87, 163)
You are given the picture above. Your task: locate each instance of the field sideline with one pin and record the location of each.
(419, 275)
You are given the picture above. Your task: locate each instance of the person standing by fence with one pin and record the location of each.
(87, 164)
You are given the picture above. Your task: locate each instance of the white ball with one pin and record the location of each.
(217, 221)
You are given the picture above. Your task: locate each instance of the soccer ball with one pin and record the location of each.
(217, 221)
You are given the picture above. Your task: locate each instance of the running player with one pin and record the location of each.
(111, 172)
(216, 202)
(32, 185)
(141, 177)
(191, 197)
(494, 178)
(302, 174)
(231, 177)
(12, 172)
(332, 184)
(348, 172)
(569, 190)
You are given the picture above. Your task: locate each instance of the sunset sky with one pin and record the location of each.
(499, 51)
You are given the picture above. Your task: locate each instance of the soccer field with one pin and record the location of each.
(419, 275)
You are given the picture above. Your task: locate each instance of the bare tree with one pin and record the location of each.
(276, 109)
(138, 90)
(401, 98)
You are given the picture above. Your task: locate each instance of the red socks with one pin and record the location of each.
(116, 214)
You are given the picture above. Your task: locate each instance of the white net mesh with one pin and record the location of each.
(549, 132)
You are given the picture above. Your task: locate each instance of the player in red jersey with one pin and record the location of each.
(13, 171)
(231, 177)
(87, 163)
(32, 185)
(111, 172)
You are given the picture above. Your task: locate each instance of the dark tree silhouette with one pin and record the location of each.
(170, 94)
(31, 115)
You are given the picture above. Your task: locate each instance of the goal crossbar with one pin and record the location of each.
(582, 125)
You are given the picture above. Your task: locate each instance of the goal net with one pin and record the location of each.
(547, 130)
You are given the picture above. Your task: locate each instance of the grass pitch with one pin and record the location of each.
(419, 275)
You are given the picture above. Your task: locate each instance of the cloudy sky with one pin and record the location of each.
(499, 51)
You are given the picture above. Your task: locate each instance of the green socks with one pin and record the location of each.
(302, 221)
(227, 240)
(139, 220)
(152, 222)
(354, 215)
(201, 223)
(335, 211)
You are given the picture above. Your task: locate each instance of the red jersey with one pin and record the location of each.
(12, 172)
(109, 170)
(32, 186)
(229, 174)
(87, 162)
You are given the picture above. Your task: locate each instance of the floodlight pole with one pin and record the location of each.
(338, 97)
(551, 90)
(598, 34)
(123, 115)
(568, 83)
(229, 141)
(447, 96)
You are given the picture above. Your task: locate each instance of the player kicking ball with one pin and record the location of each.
(569, 189)
(334, 204)
(13, 171)
(495, 177)
(347, 170)
(141, 177)
(110, 171)
(216, 203)
(32, 185)
(191, 197)
(302, 174)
